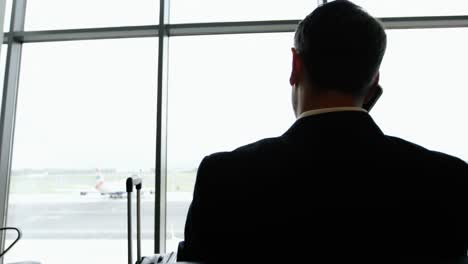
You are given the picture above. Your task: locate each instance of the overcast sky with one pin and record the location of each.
(92, 104)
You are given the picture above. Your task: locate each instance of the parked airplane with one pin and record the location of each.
(115, 190)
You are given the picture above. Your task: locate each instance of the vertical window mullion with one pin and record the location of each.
(161, 131)
(8, 113)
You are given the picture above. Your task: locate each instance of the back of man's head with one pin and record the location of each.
(341, 46)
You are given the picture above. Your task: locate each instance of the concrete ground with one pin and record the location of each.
(84, 229)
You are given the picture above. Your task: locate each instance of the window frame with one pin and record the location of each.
(16, 37)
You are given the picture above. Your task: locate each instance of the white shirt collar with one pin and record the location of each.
(330, 110)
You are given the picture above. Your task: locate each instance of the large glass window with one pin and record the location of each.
(424, 80)
(58, 14)
(6, 23)
(86, 121)
(86, 115)
(190, 11)
(405, 8)
(232, 91)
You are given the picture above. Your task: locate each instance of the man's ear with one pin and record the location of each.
(296, 69)
(372, 91)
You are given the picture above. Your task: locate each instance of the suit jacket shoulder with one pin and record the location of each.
(259, 154)
(431, 158)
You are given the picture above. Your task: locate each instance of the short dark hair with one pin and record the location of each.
(342, 47)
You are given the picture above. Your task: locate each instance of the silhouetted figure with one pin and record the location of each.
(333, 185)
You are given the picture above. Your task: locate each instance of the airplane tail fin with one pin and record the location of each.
(99, 179)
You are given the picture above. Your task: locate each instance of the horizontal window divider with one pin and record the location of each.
(216, 28)
(232, 27)
(84, 34)
(425, 22)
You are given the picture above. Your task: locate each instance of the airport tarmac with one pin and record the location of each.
(58, 251)
(86, 229)
(90, 216)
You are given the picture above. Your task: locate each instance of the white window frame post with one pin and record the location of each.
(8, 112)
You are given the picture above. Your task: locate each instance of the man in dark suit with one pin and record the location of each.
(333, 185)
